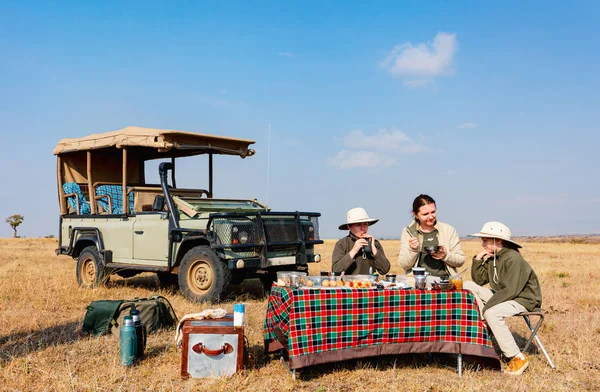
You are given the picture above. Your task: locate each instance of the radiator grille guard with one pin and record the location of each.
(253, 234)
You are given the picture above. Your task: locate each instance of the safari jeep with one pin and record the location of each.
(113, 222)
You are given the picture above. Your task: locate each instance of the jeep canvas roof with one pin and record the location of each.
(157, 143)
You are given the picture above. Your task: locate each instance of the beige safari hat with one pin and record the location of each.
(496, 230)
(357, 215)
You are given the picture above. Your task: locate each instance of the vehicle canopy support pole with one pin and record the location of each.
(125, 201)
(210, 175)
(92, 192)
(61, 192)
(173, 172)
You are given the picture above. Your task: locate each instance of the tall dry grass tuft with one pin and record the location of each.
(42, 309)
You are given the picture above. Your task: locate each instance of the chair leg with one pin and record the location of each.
(534, 331)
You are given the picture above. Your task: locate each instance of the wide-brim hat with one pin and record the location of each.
(357, 215)
(496, 230)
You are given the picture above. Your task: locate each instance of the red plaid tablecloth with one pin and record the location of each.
(324, 325)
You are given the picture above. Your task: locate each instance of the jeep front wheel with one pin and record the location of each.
(203, 277)
(90, 270)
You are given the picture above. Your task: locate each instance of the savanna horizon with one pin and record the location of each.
(42, 309)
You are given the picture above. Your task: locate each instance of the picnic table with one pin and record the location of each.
(318, 325)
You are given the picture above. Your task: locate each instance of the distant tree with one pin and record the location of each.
(14, 221)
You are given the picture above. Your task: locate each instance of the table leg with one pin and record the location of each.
(292, 372)
(459, 365)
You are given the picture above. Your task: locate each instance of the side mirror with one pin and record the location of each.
(159, 203)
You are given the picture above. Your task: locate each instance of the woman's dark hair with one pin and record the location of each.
(419, 202)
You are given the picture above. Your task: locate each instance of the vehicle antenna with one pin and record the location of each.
(268, 166)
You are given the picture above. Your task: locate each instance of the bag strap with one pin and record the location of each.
(115, 315)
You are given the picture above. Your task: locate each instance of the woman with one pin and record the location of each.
(428, 243)
(515, 288)
(351, 254)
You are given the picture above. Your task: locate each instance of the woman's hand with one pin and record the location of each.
(482, 255)
(441, 253)
(414, 243)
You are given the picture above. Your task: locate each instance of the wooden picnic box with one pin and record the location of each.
(211, 348)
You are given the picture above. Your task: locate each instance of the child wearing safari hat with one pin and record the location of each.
(514, 288)
(349, 253)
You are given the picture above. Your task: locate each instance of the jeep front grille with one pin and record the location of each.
(277, 229)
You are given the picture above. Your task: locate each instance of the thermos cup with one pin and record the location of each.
(140, 334)
(128, 342)
(238, 315)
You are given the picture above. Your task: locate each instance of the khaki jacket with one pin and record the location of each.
(447, 236)
(341, 260)
(516, 280)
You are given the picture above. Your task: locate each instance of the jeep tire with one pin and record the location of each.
(90, 268)
(203, 277)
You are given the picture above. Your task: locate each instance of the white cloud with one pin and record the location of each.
(377, 150)
(420, 63)
(287, 54)
(468, 125)
(347, 159)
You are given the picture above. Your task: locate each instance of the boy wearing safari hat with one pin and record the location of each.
(514, 288)
(358, 251)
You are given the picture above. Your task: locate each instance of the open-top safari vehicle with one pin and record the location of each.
(112, 221)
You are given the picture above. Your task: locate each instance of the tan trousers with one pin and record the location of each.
(495, 316)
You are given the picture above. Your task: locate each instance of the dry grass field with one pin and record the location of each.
(42, 308)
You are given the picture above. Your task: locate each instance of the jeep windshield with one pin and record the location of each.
(194, 207)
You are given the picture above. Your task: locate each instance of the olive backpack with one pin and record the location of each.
(106, 316)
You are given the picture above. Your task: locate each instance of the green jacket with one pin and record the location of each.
(341, 260)
(516, 280)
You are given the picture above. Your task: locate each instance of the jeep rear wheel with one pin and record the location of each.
(90, 270)
(203, 277)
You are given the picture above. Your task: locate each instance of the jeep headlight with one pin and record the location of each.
(243, 236)
(235, 229)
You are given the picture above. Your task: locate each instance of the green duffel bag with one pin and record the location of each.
(106, 316)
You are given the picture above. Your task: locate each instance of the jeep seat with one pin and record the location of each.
(114, 196)
(76, 198)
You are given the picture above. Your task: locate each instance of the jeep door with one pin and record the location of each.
(151, 238)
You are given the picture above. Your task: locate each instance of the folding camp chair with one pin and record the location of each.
(534, 331)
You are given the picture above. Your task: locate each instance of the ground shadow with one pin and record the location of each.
(258, 358)
(250, 289)
(147, 282)
(24, 343)
(521, 340)
(157, 350)
(400, 361)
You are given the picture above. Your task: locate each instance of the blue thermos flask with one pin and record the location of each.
(139, 333)
(128, 342)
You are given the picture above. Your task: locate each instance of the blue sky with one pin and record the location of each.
(491, 108)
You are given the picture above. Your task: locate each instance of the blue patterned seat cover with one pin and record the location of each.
(73, 187)
(116, 197)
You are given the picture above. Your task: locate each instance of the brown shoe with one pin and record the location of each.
(516, 366)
